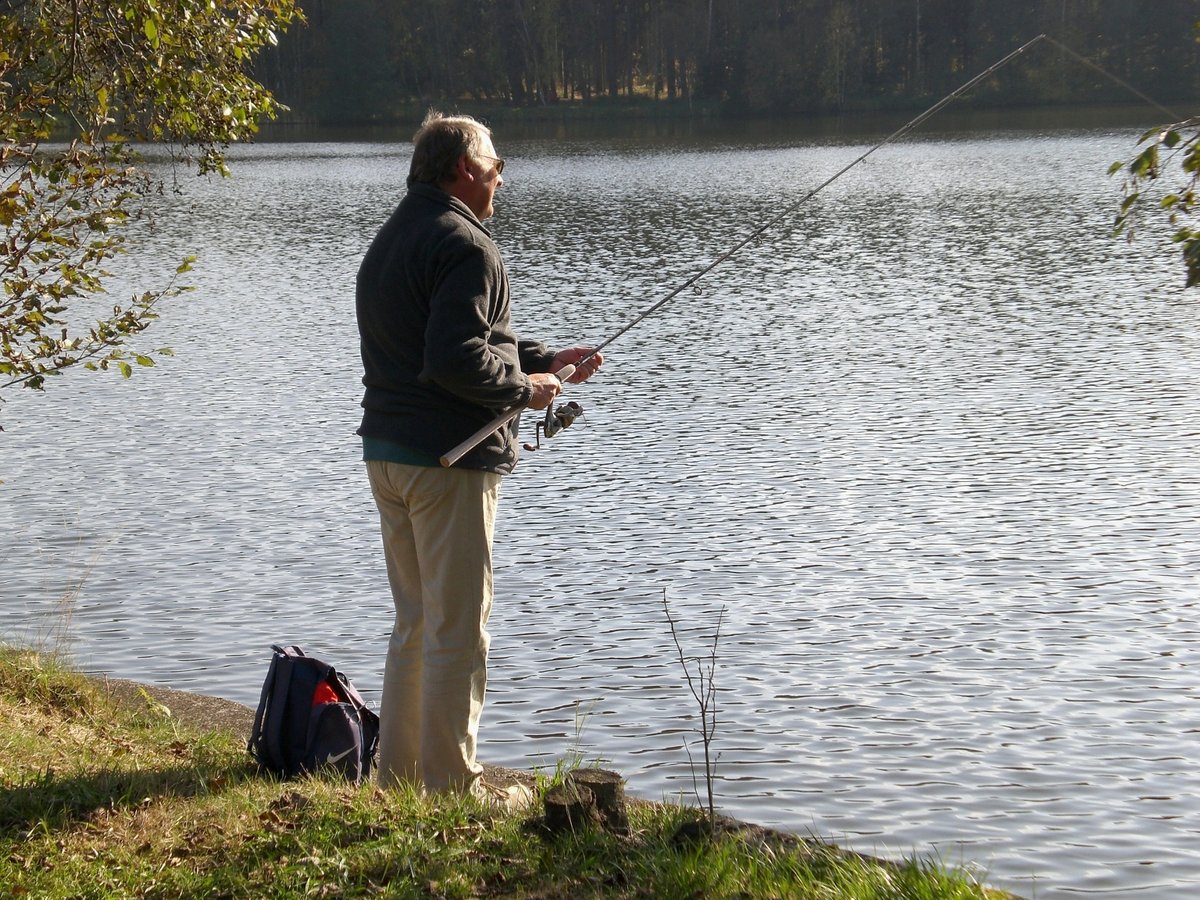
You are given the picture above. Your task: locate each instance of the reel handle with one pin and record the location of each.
(453, 456)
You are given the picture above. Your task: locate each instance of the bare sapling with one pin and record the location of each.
(700, 673)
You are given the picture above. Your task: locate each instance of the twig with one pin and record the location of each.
(704, 690)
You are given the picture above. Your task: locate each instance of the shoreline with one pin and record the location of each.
(208, 713)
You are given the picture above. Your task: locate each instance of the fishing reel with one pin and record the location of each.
(554, 422)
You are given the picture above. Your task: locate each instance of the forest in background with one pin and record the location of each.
(377, 61)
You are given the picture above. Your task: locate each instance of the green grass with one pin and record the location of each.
(97, 801)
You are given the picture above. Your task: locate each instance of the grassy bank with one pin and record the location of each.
(101, 800)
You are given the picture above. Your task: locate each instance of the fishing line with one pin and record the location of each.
(1129, 87)
(788, 211)
(458, 452)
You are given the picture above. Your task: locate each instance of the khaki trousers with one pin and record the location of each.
(437, 538)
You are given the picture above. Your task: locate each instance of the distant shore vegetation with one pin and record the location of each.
(382, 61)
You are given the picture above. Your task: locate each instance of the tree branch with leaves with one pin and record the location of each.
(74, 109)
(1163, 178)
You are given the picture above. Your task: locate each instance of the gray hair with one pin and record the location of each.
(439, 144)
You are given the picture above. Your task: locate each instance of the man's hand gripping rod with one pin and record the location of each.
(453, 456)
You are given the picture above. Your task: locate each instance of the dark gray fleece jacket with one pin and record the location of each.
(439, 355)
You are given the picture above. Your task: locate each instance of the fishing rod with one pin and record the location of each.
(555, 420)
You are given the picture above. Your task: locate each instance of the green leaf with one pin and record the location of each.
(1146, 163)
(151, 31)
(126, 368)
(143, 360)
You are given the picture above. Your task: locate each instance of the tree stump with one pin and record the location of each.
(608, 788)
(569, 808)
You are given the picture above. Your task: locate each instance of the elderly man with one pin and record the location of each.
(440, 360)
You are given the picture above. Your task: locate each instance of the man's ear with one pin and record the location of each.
(462, 169)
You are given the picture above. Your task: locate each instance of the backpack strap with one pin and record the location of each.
(277, 708)
(256, 733)
(349, 692)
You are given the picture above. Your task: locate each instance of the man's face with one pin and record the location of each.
(486, 171)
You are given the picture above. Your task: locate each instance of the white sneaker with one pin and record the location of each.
(511, 798)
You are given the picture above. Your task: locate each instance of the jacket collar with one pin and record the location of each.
(436, 195)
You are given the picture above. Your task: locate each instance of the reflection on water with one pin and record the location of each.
(930, 447)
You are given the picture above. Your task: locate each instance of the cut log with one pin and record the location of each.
(608, 788)
(569, 808)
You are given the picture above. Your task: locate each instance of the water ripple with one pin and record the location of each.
(930, 448)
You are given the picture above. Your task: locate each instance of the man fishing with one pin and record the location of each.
(441, 360)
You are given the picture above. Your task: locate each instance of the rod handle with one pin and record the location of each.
(453, 456)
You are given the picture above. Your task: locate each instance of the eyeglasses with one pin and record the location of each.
(499, 163)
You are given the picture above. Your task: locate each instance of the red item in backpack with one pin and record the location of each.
(324, 694)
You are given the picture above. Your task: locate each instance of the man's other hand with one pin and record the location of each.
(545, 389)
(571, 357)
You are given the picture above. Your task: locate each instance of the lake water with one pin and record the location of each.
(930, 447)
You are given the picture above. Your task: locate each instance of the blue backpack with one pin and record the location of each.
(310, 718)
